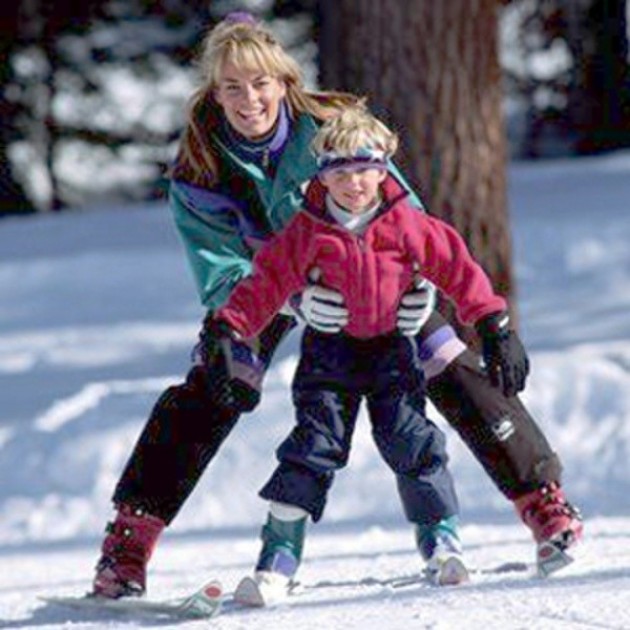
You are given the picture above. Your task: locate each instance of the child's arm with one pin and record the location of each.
(446, 261)
(279, 270)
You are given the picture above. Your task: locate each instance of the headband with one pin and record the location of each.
(363, 157)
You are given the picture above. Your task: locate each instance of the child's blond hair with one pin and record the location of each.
(355, 128)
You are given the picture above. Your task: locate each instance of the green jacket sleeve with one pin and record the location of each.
(207, 223)
(413, 197)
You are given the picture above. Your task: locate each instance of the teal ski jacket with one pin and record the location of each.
(223, 226)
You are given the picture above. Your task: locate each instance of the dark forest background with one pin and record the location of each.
(93, 93)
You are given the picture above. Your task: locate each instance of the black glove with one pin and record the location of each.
(506, 361)
(235, 368)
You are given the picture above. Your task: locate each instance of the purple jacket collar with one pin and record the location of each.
(266, 150)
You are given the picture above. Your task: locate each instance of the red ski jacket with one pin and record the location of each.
(372, 270)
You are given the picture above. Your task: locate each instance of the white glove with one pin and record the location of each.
(323, 309)
(415, 308)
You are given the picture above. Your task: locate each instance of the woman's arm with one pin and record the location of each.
(207, 222)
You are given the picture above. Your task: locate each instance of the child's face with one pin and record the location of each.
(354, 189)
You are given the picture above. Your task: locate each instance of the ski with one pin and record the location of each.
(415, 579)
(211, 600)
(206, 602)
(551, 557)
(263, 592)
(450, 572)
(249, 593)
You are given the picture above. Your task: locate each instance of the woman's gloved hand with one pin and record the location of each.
(322, 309)
(506, 361)
(415, 308)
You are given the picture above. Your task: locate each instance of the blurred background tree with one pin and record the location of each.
(13, 197)
(93, 94)
(92, 97)
(567, 76)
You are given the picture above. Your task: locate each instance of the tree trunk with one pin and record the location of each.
(13, 198)
(431, 70)
(600, 100)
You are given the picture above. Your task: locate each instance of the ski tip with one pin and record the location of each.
(552, 558)
(213, 590)
(204, 603)
(248, 593)
(452, 573)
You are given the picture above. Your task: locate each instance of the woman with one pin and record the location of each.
(238, 179)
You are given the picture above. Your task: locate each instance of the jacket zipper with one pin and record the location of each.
(360, 251)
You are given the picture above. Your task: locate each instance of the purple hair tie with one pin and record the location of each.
(240, 17)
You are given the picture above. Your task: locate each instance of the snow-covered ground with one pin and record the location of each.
(98, 314)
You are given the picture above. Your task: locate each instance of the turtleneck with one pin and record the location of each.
(265, 151)
(355, 223)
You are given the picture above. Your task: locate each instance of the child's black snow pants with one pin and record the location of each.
(335, 373)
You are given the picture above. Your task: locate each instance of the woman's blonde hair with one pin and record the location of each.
(247, 45)
(353, 129)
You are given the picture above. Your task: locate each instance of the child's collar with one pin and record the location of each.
(331, 204)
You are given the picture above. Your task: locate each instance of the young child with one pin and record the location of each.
(359, 236)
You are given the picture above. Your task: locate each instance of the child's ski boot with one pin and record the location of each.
(441, 548)
(128, 545)
(283, 540)
(555, 524)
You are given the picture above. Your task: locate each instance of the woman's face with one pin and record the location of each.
(250, 100)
